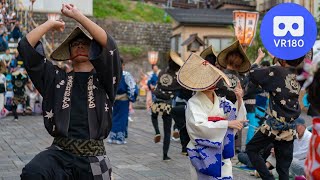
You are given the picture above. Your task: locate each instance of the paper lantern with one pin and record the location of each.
(53, 16)
(153, 57)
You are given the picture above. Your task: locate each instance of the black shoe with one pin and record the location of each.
(184, 151)
(166, 158)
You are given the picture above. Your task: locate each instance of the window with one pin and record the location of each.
(173, 43)
(217, 43)
(176, 42)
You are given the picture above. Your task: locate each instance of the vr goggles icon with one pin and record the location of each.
(284, 24)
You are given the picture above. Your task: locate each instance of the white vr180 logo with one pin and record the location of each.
(284, 24)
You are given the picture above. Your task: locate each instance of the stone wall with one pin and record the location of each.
(148, 36)
(154, 36)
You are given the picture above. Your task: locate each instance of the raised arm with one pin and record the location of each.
(41, 72)
(95, 30)
(260, 57)
(35, 35)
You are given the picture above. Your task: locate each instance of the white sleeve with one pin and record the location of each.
(199, 127)
(301, 151)
(241, 112)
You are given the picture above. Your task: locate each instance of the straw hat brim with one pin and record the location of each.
(62, 52)
(209, 50)
(176, 58)
(199, 75)
(245, 67)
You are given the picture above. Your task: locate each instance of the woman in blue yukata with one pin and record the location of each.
(211, 121)
(127, 92)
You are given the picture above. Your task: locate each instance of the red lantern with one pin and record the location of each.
(153, 57)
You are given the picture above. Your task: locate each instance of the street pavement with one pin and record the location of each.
(139, 159)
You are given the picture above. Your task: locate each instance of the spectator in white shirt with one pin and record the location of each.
(300, 148)
(3, 28)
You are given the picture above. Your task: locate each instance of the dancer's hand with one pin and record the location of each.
(260, 57)
(95, 31)
(238, 91)
(57, 25)
(272, 152)
(236, 124)
(70, 10)
(261, 54)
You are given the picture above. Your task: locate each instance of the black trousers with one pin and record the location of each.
(283, 151)
(14, 111)
(167, 123)
(179, 117)
(265, 153)
(57, 165)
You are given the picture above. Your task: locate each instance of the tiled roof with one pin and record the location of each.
(202, 16)
(238, 3)
(191, 39)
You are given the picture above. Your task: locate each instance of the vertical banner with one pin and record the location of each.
(245, 24)
(153, 57)
(239, 18)
(251, 25)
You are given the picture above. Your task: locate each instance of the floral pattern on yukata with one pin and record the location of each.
(226, 106)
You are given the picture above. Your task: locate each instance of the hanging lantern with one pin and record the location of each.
(53, 16)
(153, 57)
(245, 24)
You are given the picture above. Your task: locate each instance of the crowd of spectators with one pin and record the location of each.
(17, 93)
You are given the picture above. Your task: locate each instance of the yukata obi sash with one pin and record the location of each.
(207, 156)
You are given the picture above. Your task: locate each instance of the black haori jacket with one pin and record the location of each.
(55, 86)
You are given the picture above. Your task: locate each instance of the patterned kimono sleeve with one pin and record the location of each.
(41, 71)
(261, 77)
(106, 61)
(131, 87)
(200, 128)
(232, 113)
(241, 111)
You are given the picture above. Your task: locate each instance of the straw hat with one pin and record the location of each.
(62, 53)
(209, 50)
(198, 74)
(234, 47)
(176, 58)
